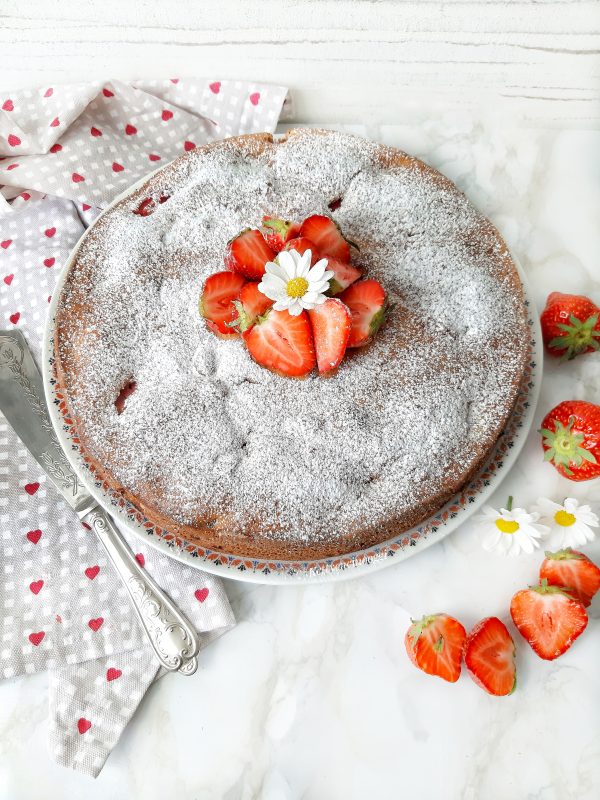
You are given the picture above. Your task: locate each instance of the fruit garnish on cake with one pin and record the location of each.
(293, 296)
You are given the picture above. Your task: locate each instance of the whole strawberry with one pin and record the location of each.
(570, 325)
(571, 439)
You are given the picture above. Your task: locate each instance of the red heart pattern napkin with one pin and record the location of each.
(66, 152)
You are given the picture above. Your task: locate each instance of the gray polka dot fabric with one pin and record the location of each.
(66, 152)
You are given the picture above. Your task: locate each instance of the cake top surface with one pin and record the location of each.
(210, 429)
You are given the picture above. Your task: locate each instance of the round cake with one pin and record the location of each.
(220, 451)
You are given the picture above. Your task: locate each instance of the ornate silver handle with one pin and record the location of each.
(171, 635)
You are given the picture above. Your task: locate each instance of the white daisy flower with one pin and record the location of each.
(570, 524)
(510, 531)
(293, 284)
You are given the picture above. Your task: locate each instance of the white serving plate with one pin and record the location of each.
(350, 565)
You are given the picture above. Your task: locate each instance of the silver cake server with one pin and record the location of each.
(23, 404)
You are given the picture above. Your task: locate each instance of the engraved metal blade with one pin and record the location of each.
(23, 404)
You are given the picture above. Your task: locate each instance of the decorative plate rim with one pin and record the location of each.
(277, 571)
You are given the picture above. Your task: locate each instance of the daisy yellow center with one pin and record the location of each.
(507, 525)
(564, 518)
(297, 287)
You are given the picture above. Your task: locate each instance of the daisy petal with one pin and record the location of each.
(275, 270)
(287, 264)
(303, 268)
(310, 296)
(318, 270)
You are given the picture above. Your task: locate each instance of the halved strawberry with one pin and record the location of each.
(282, 343)
(331, 328)
(251, 305)
(344, 275)
(247, 253)
(367, 304)
(301, 244)
(571, 439)
(490, 657)
(327, 236)
(548, 618)
(574, 571)
(435, 644)
(278, 231)
(216, 301)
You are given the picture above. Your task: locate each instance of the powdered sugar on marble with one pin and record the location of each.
(306, 459)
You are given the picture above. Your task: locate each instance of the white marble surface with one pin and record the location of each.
(312, 696)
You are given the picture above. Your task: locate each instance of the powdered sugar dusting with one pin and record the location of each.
(212, 433)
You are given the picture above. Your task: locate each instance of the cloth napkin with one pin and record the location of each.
(67, 151)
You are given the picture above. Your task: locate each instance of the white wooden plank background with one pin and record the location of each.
(345, 60)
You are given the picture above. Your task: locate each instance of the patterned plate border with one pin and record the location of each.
(350, 565)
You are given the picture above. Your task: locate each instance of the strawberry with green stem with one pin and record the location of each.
(277, 232)
(570, 325)
(435, 645)
(574, 571)
(282, 343)
(571, 439)
(368, 306)
(220, 291)
(251, 305)
(548, 618)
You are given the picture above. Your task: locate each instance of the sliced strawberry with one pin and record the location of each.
(248, 253)
(282, 343)
(548, 618)
(344, 275)
(331, 328)
(367, 304)
(435, 644)
(216, 301)
(148, 205)
(278, 231)
(251, 305)
(574, 571)
(127, 390)
(490, 657)
(327, 236)
(301, 245)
